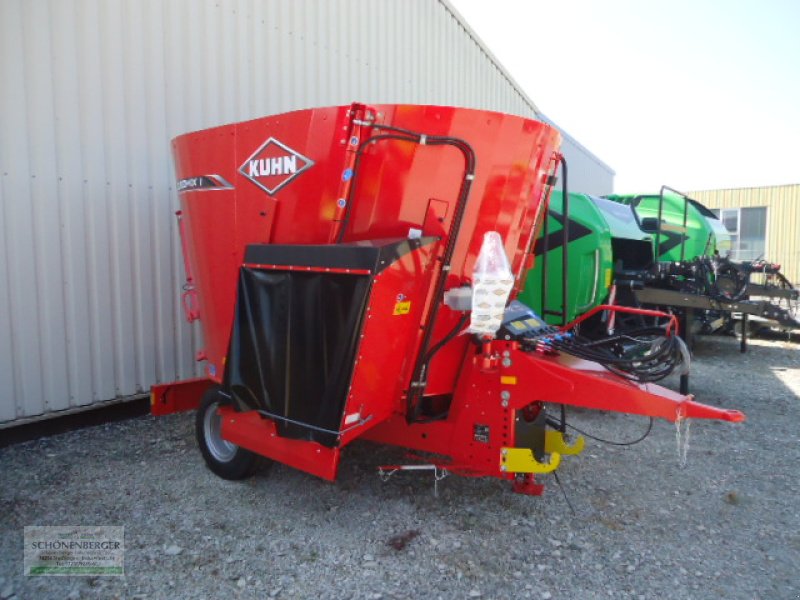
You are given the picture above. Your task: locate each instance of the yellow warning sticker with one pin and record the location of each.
(508, 379)
(402, 308)
(609, 275)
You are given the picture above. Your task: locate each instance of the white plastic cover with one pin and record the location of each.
(492, 281)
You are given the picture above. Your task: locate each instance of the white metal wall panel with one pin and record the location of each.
(586, 172)
(92, 93)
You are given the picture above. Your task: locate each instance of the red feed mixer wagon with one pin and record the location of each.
(337, 259)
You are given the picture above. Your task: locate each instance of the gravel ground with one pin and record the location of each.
(727, 525)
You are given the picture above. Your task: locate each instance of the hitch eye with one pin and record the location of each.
(554, 443)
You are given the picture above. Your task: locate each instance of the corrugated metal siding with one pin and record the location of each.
(783, 219)
(587, 173)
(93, 90)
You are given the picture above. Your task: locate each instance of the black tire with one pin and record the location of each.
(225, 459)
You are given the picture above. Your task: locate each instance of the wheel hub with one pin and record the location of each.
(222, 450)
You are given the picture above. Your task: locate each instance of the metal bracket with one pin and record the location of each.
(439, 473)
(521, 460)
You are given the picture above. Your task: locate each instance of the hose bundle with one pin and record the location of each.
(643, 355)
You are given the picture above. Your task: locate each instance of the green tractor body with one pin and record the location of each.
(601, 232)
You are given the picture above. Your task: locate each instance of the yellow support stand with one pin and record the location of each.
(554, 442)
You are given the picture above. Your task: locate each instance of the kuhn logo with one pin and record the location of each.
(274, 165)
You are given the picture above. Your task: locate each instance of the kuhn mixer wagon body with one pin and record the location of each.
(334, 258)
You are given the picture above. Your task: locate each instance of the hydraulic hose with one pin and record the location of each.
(419, 377)
(644, 355)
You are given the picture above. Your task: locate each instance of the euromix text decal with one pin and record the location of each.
(274, 165)
(203, 183)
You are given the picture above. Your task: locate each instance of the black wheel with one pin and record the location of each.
(225, 459)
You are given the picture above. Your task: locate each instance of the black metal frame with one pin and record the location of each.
(564, 253)
(686, 200)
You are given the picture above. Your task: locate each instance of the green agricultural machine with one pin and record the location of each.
(662, 251)
(687, 230)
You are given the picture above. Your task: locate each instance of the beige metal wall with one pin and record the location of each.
(783, 219)
(92, 92)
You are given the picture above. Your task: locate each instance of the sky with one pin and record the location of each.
(695, 95)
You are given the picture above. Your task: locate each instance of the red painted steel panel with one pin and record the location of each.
(257, 434)
(168, 398)
(389, 340)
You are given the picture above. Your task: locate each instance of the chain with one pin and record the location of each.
(682, 439)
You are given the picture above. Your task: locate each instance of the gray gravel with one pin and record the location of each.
(725, 526)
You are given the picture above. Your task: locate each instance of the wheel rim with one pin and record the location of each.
(222, 450)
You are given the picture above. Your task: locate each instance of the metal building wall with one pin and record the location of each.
(783, 219)
(93, 91)
(587, 173)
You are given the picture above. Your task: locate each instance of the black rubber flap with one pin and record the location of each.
(293, 347)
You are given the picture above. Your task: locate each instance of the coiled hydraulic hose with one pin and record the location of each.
(645, 355)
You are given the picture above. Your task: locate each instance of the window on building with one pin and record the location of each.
(748, 229)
